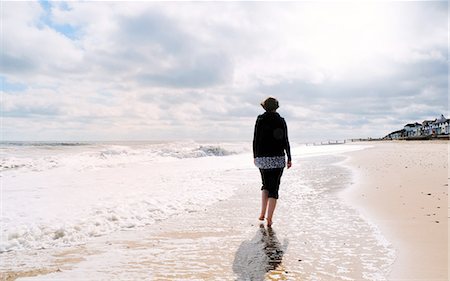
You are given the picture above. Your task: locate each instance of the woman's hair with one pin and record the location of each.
(270, 104)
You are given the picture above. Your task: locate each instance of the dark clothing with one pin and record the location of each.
(271, 136)
(271, 181)
(269, 142)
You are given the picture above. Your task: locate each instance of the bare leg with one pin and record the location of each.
(264, 199)
(272, 204)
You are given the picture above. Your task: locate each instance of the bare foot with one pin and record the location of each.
(261, 218)
(269, 222)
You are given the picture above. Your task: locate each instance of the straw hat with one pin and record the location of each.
(270, 104)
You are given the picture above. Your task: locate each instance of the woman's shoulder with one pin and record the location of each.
(279, 117)
(270, 116)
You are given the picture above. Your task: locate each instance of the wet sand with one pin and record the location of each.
(403, 188)
(315, 236)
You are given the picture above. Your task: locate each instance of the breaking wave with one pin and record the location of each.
(42, 156)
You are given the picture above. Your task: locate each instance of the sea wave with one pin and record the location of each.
(100, 222)
(41, 143)
(196, 152)
(159, 196)
(16, 163)
(43, 156)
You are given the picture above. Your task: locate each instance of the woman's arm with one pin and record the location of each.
(255, 138)
(287, 147)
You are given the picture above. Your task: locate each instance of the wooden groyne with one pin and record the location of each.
(330, 142)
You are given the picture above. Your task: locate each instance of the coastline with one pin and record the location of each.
(315, 236)
(403, 188)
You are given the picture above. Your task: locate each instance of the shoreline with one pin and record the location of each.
(403, 189)
(308, 237)
(340, 217)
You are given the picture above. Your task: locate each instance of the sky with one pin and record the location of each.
(85, 71)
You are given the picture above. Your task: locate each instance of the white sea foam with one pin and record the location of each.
(45, 156)
(96, 190)
(319, 150)
(57, 195)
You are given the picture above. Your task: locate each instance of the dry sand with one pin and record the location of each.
(403, 188)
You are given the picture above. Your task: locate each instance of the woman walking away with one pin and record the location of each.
(270, 142)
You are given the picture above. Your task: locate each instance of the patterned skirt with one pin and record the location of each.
(273, 162)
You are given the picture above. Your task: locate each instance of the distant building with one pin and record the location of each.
(396, 135)
(428, 128)
(441, 125)
(413, 130)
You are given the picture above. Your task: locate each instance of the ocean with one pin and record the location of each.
(59, 194)
(64, 195)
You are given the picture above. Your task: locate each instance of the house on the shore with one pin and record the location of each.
(438, 127)
(396, 135)
(412, 130)
(441, 125)
(426, 127)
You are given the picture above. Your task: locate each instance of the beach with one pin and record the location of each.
(403, 188)
(331, 223)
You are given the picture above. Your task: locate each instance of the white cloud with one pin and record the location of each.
(199, 70)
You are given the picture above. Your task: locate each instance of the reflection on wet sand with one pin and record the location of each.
(262, 254)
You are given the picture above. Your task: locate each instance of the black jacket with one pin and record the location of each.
(271, 136)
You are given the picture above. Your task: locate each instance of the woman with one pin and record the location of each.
(270, 142)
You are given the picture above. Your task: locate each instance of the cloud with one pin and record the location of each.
(138, 70)
(197, 73)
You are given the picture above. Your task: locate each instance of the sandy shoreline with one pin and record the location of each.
(316, 234)
(315, 237)
(403, 188)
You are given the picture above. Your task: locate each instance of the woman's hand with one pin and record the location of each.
(289, 164)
